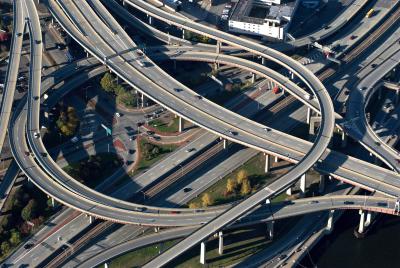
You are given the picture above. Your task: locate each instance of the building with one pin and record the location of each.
(267, 18)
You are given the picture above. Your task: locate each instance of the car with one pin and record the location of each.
(149, 132)
(327, 27)
(43, 154)
(267, 129)
(139, 124)
(157, 138)
(282, 256)
(362, 88)
(187, 189)
(348, 202)
(352, 37)
(27, 153)
(382, 204)
(36, 135)
(177, 89)
(117, 114)
(28, 246)
(234, 133)
(131, 151)
(307, 96)
(373, 65)
(19, 34)
(175, 212)
(378, 143)
(346, 92)
(74, 139)
(199, 97)
(36, 97)
(190, 150)
(38, 42)
(313, 202)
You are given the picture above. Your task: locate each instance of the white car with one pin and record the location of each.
(36, 135)
(307, 96)
(117, 114)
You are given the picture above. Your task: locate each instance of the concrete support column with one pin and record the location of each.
(183, 34)
(344, 139)
(266, 163)
(218, 47)
(289, 191)
(397, 96)
(53, 203)
(322, 182)
(361, 226)
(44, 41)
(263, 61)
(91, 219)
(303, 184)
(180, 124)
(150, 20)
(156, 229)
(253, 78)
(87, 54)
(123, 3)
(368, 220)
(142, 97)
(224, 143)
(308, 115)
(105, 265)
(329, 225)
(203, 253)
(276, 159)
(270, 229)
(220, 243)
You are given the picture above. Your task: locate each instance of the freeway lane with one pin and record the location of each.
(356, 122)
(12, 68)
(275, 211)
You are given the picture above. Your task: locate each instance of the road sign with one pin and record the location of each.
(108, 130)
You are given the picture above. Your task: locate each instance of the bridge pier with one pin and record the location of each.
(276, 159)
(303, 184)
(53, 203)
(183, 34)
(344, 139)
(329, 225)
(156, 229)
(150, 19)
(361, 226)
(289, 191)
(308, 115)
(396, 100)
(322, 182)
(253, 78)
(91, 219)
(220, 243)
(266, 169)
(203, 253)
(142, 97)
(224, 143)
(105, 265)
(181, 126)
(270, 229)
(218, 47)
(263, 61)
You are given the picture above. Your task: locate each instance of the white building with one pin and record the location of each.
(262, 18)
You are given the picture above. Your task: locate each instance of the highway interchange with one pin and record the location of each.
(115, 51)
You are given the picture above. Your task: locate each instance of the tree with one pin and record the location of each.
(107, 82)
(242, 174)
(29, 211)
(230, 186)
(206, 200)
(193, 205)
(246, 187)
(5, 247)
(15, 237)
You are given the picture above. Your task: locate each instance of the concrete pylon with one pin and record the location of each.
(150, 20)
(361, 226)
(344, 140)
(329, 225)
(276, 159)
(91, 219)
(322, 182)
(289, 191)
(53, 203)
(203, 253)
(368, 220)
(218, 47)
(181, 126)
(270, 229)
(224, 143)
(183, 34)
(253, 78)
(303, 184)
(220, 243)
(396, 101)
(266, 163)
(105, 265)
(308, 115)
(263, 61)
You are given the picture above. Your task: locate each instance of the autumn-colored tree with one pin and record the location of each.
(246, 187)
(206, 200)
(230, 186)
(241, 175)
(193, 205)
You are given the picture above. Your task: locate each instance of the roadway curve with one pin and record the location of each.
(12, 68)
(356, 124)
(275, 211)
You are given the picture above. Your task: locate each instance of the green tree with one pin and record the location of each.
(246, 187)
(119, 90)
(206, 200)
(127, 98)
(241, 175)
(107, 82)
(5, 248)
(15, 237)
(230, 186)
(29, 211)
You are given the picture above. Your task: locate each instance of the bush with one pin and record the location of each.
(207, 200)
(29, 211)
(15, 237)
(5, 248)
(67, 121)
(107, 82)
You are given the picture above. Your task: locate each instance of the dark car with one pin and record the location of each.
(234, 133)
(373, 65)
(187, 189)
(43, 154)
(28, 246)
(149, 132)
(348, 202)
(27, 153)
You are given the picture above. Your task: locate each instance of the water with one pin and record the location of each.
(379, 249)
